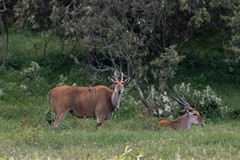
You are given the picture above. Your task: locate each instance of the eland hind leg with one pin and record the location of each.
(60, 111)
(58, 119)
(60, 114)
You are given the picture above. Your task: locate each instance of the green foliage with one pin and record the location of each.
(206, 61)
(55, 65)
(229, 94)
(124, 27)
(164, 66)
(200, 17)
(162, 69)
(234, 44)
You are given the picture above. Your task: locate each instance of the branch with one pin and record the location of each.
(181, 45)
(98, 71)
(4, 7)
(150, 111)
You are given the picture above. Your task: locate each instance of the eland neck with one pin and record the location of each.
(185, 121)
(116, 97)
(188, 121)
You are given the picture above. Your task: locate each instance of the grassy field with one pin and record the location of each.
(30, 137)
(24, 133)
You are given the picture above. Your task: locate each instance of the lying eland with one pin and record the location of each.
(191, 117)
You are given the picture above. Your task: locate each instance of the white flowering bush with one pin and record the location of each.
(162, 105)
(32, 81)
(206, 101)
(31, 72)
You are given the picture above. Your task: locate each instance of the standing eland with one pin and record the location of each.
(185, 122)
(98, 102)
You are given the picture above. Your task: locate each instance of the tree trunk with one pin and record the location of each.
(150, 111)
(4, 32)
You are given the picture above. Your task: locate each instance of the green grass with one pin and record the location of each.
(24, 134)
(34, 139)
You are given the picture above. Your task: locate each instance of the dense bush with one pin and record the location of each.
(54, 65)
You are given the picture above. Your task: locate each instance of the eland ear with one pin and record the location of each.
(126, 80)
(189, 110)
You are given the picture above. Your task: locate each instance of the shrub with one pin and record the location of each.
(31, 72)
(161, 104)
(55, 65)
(206, 101)
(33, 82)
